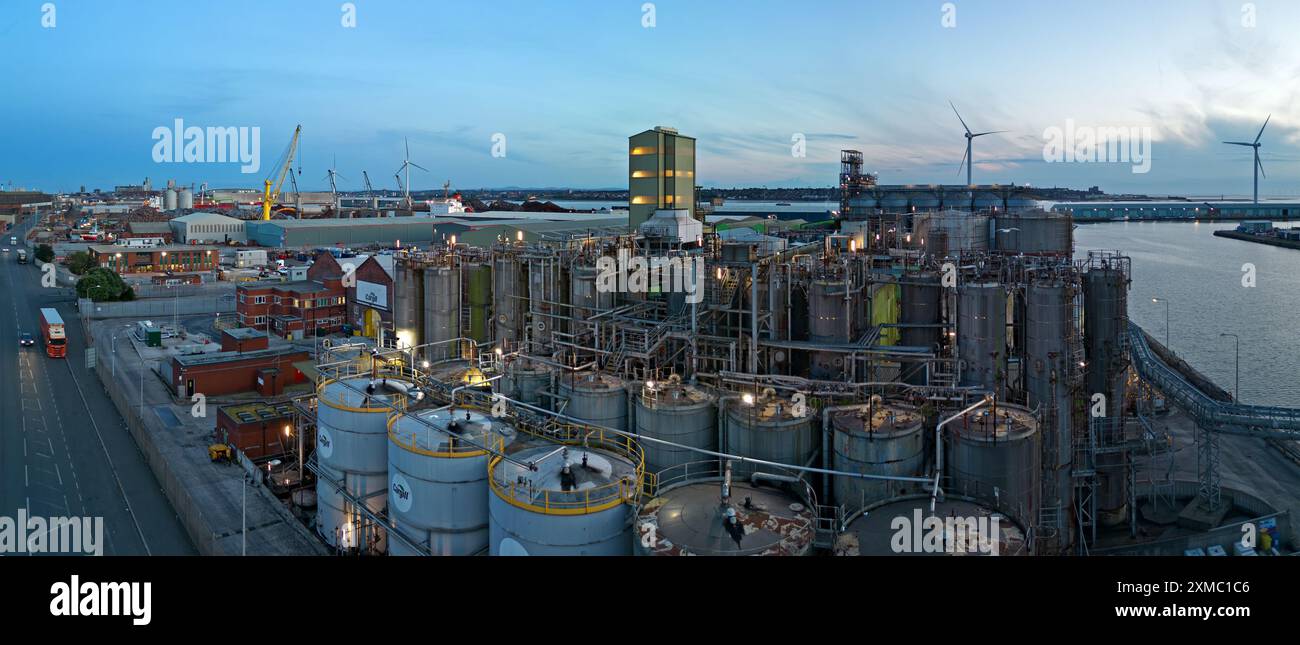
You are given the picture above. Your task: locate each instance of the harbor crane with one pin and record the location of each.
(278, 173)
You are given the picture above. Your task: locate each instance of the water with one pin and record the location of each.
(730, 205)
(1201, 276)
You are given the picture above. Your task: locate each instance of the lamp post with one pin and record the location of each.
(1236, 388)
(1166, 301)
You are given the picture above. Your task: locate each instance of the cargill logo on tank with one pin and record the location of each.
(400, 491)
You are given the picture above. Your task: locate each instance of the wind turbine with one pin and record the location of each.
(968, 159)
(407, 164)
(1259, 167)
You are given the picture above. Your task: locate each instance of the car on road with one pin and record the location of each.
(6, 249)
(26, 339)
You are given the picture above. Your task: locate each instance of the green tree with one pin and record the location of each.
(102, 285)
(80, 262)
(44, 253)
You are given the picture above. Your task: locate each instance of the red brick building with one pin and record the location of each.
(315, 306)
(257, 429)
(265, 371)
(176, 257)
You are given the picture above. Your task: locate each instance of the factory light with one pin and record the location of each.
(519, 236)
(498, 351)
(286, 430)
(650, 385)
(425, 365)
(747, 398)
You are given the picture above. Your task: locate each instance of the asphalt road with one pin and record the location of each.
(64, 449)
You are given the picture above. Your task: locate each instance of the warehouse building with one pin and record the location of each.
(383, 231)
(208, 227)
(257, 429)
(177, 258)
(265, 371)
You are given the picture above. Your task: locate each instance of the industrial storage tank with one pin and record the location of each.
(774, 296)
(682, 414)
(1035, 232)
(863, 203)
(548, 291)
(566, 500)
(526, 380)
(596, 398)
(925, 201)
(894, 202)
(771, 428)
(1105, 289)
(921, 317)
(441, 304)
(408, 297)
(185, 199)
(982, 335)
(438, 488)
(701, 508)
(586, 298)
(478, 285)
(959, 199)
(509, 298)
(987, 201)
(951, 232)
(1047, 370)
(352, 454)
(828, 323)
(908, 527)
(169, 199)
(993, 454)
(880, 438)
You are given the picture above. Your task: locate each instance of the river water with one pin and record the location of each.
(1201, 276)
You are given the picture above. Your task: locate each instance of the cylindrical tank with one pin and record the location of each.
(982, 335)
(169, 199)
(442, 311)
(951, 232)
(682, 414)
(526, 380)
(994, 454)
(925, 201)
(772, 428)
(959, 199)
(894, 202)
(352, 452)
(547, 292)
(922, 309)
(880, 438)
(901, 527)
(1047, 369)
(1035, 232)
(478, 278)
(773, 292)
(1105, 289)
(509, 298)
(596, 398)
(575, 500)
(185, 199)
(768, 511)
(408, 305)
(827, 323)
(438, 489)
(987, 201)
(588, 300)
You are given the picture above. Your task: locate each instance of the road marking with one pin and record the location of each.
(33, 405)
(58, 473)
(26, 482)
(28, 389)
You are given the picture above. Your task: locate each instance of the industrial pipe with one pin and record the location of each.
(938, 444)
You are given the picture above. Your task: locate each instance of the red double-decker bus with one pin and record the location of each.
(56, 340)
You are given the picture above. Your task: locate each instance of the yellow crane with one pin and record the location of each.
(278, 173)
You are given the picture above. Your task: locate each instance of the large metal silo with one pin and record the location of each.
(566, 500)
(921, 317)
(1105, 290)
(880, 438)
(982, 335)
(597, 398)
(1049, 325)
(408, 302)
(478, 284)
(702, 508)
(442, 311)
(525, 381)
(682, 414)
(352, 454)
(874, 531)
(438, 488)
(1035, 232)
(828, 323)
(169, 199)
(185, 198)
(772, 429)
(994, 455)
(509, 298)
(548, 292)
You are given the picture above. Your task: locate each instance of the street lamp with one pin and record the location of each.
(1166, 301)
(1236, 388)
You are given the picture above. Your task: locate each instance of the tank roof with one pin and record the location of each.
(673, 395)
(474, 427)
(882, 420)
(873, 531)
(1008, 422)
(360, 394)
(766, 409)
(600, 468)
(689, 520)
(592, 381)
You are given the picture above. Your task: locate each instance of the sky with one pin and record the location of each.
(565, 82)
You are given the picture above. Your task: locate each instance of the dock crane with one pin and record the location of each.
(370, 191)
(278, 173)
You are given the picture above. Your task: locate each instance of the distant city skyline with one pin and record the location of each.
(567, 83)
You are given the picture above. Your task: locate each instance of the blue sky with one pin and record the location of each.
(568, 80)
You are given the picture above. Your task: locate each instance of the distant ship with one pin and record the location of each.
(783, 203)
